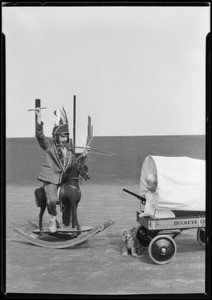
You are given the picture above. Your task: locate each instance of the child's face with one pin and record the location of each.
(63, 139)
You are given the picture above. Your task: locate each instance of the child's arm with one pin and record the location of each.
(38, 113)
(42, 139)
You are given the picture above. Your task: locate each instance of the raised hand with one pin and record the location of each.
(38, 114)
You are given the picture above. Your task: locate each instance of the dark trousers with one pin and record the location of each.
(51, 194)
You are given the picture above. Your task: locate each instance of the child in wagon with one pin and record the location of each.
(58, 157)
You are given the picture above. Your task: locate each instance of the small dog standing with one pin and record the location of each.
(129, 242)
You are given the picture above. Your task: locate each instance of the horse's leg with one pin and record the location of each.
(73, 224)
(67, 196)
(74, 212)
(70, 196)
(79, 193)
(75, 221)
(42, 210)
(66, 213)
(70, 199)
(41, 201)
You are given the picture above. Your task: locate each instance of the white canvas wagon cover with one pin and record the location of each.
(179, 185)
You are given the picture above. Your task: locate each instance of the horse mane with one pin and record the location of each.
(73, 168)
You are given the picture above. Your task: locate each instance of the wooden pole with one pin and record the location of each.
(37, 104)
(89, 127)
(89, 130)
(74, 122)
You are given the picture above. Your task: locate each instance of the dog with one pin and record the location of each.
(129, 246)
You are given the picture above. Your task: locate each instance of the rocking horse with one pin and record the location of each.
(69, 194)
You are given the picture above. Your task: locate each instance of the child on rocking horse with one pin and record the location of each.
(58, 157)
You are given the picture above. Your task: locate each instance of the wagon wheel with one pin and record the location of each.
(162, 249)
(141, 235)
(201, 236)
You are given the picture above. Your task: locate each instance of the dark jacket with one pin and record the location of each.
(52, 169)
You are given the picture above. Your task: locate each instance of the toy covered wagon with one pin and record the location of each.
(172, 199)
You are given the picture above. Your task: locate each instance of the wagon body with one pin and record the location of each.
(183, 220)
(157, 235)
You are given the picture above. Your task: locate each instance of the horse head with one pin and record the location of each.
(72, 172)
(83, 171)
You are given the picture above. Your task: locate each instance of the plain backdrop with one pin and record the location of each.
(134, 70)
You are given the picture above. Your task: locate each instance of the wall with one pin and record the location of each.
(24, 156)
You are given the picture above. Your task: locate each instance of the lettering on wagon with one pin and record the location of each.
(154, 224)
(185, 222)
(202, 222)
